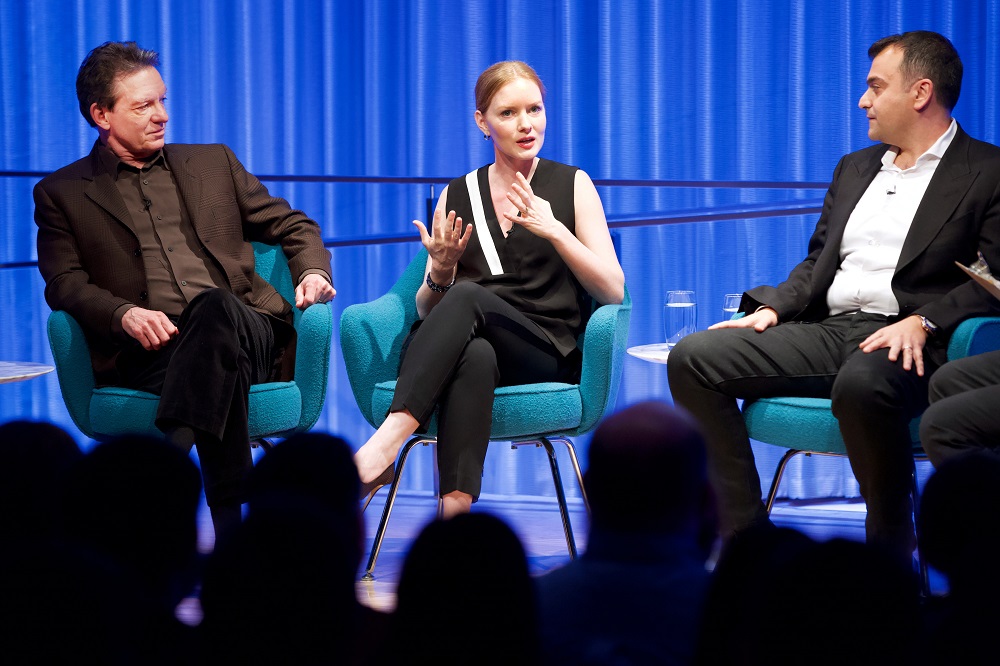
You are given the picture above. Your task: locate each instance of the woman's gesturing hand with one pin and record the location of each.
(446, 241)
(531, 212)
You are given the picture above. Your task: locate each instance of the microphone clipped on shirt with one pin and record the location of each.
(891, 190)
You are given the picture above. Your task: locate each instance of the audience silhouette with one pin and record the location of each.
(657, 533)
(35, 459)
(465, 596)
(59, 603)
(281, 588)
(958, 533)
(100, 548)
(777, 596)
(134, 500)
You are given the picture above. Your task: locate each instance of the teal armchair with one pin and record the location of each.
(372, 334)
(277, 409)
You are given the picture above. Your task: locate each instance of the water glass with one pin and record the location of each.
(679, 316)
(730, 305)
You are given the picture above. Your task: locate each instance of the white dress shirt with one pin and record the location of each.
(873, 238)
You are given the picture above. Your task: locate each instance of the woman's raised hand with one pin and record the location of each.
(531, 212)
(446, 241)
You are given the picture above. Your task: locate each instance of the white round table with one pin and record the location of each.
(654, 353)
(16, 371)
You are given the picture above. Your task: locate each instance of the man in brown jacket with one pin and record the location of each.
(147, 245)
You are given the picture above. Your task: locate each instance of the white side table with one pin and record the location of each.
(654, 353)
(15, 371)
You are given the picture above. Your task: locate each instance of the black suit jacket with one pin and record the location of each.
(89, 255)
(958, 215)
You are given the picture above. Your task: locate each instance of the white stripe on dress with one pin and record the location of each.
(482, 229)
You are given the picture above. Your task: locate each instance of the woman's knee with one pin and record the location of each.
(479, 360)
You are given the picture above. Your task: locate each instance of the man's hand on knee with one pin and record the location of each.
(906, 338)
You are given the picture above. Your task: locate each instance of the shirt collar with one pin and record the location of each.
(935, 152)
(113, 165)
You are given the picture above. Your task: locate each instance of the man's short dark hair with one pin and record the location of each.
(101, 69)
(927, 55)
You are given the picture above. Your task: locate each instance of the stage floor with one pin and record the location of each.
(537, 522)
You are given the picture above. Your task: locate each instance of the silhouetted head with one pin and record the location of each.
(837, 601)
(280, 589)
(646, 471)
(464, 584)
(317, 467)
(957, 524)
(313, 464)
(34, 460)
(135, 499)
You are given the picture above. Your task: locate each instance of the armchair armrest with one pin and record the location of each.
(72, 361)
(604, 345)
(974, 336)
(371, 337)
(314, 330)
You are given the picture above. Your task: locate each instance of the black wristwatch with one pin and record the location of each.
(434, 286)
(930, 328)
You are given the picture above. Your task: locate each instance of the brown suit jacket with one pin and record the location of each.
(89, 256)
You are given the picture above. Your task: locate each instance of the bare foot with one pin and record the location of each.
(379, 452)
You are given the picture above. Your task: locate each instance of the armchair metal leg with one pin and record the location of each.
(576, 468)
(773, 492)
(561, 496)
(924, 574)
(389, 503)
(264, 443)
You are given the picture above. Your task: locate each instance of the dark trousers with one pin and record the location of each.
(873, 399)
(965, 408)
(471, 342)
(203, 377)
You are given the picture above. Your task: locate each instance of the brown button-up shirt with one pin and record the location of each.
(177, 266)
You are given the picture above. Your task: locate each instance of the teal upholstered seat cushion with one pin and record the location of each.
(539, 409)
(800, 423)
(274, 407)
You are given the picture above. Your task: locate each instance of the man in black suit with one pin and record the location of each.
(865, 319)
(147, 245)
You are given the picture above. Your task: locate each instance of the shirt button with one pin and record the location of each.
(170, 249)
(184, 283)
(145, 182)
(143, 295)
(137, 253)
(159, 217)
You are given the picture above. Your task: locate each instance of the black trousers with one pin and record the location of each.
(965, 408)
(471, 342)
(873, 399)
(203, 377)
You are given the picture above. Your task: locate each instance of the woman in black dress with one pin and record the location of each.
(514, 250)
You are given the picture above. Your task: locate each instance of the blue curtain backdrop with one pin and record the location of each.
(713, 92)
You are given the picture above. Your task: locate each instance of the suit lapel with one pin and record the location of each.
(951, 180)
(103, 191)
(852, 184)
(188, 185)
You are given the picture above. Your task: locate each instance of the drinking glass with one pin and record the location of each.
(679, 316)
(730, 305)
